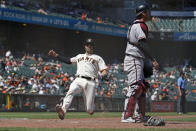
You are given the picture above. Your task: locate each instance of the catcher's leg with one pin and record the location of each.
(136, 92)
(134, 67)
(137, 111)
(142, 105)
(125, 108)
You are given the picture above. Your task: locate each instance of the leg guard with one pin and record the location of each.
(142, 104)
(136, 92)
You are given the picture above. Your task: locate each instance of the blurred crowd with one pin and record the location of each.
(164, 83)
(82, 9)
(33, 75)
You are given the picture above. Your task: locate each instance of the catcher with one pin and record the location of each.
(137, 52)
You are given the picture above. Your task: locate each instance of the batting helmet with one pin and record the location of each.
(89, 41)
(141, 8)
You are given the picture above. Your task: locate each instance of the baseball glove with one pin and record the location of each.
(148, 68)
(155, 121)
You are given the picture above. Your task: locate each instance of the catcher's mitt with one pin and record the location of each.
(148, 68)
(155, 121)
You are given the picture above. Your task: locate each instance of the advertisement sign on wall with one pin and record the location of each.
(61, 22)
(185, 36)
(162, 106)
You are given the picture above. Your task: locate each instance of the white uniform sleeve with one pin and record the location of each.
(74, 59)
(140, 33)
(101, 64)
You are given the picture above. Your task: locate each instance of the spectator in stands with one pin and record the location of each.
(83, 16)
(3, 4)
(99, 20)
(27, 103)
(3, 64)
(40, 6)
(101, 99)
(8, 55)
(42, 11)
(164, 95)
(155, 97)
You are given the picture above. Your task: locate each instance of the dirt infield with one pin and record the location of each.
(88, 123)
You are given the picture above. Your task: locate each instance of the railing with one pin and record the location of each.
(28, 103)
(43, 103)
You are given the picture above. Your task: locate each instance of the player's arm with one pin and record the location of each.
(103, 68)
(145, 48)
(142, 33)
(60, 58)
(143, 45)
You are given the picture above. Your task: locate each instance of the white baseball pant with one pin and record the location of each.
(77, 86)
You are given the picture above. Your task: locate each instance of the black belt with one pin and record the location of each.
(86, 77)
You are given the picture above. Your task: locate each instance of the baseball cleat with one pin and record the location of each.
(138, 120)
(60, 112)
(128, 120)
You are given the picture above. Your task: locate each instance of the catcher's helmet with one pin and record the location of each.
(89, 41)
(141, 8)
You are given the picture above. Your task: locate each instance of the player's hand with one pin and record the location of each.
(155, 64)
(52, 53)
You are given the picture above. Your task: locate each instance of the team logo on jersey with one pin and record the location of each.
(86, 59)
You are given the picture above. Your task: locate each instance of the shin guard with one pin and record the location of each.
(136, 92)
(142, 105)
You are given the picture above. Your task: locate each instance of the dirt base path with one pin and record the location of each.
(89, 123)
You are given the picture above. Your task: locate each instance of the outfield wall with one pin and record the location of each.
(31, 103)
(38, 103)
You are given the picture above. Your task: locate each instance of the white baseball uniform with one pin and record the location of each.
(88, 67)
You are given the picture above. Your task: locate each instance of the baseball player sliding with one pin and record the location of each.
(88, 66)
(136, 52)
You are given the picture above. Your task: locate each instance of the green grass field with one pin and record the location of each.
(53, 115)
